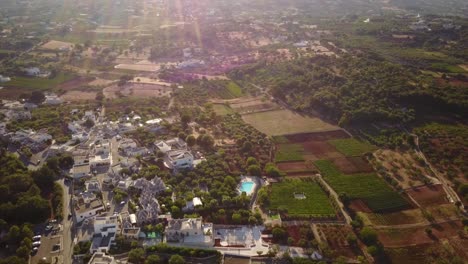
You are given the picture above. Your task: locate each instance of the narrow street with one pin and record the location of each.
(67, 234)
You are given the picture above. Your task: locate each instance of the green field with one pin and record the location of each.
(283, 122)
(39, 83)
(316, 202)
(222, 110)
(373, 190)
(444, 67)
(351, 147)
(234, 89)
(289, 152)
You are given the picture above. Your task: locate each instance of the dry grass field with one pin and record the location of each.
(283, 122)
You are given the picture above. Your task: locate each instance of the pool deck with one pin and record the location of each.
(255, 186)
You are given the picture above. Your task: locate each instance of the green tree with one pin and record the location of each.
(368, 236)
(153, 259)
(191, 140)
(176, 259)
(37, 97)
(254, 170)
(136, 255)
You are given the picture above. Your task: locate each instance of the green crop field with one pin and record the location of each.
(445, 67)
(316, 202)
(289, 152)
(39, 83)
(234, 89)
(222, 110)
(373, 190)
(351, 147)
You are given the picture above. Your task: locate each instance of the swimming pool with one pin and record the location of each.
(247, 187)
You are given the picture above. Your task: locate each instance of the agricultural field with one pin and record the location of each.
(55, 45)
(411, 216)
(252, 105)
(352, 147)
(137, 90)
(146, 108)
(39, 83)
(336, 238)
(314, 203)
(398, 237)
(404, 166)
(446, 147)
(369, 188)
(224, 89)
(78, 96)
(309, 147)
(283, 122)
(222, 109)
(289, 152)
(297, 168)
(429, 195)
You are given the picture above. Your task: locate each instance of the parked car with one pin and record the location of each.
(34, 251)
(48, 227)
(37, 238)
(36, 244)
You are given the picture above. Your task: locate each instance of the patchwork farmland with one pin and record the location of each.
(367, 187)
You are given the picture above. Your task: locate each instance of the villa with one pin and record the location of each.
(190, 231)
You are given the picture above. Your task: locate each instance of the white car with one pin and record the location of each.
(36, 244)
(36, 238)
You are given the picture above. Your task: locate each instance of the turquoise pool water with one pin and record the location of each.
(247, 187)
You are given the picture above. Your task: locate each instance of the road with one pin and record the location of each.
(445, 184)
(68, 232)
(332, 192)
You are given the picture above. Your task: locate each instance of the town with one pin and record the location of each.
(154, 131)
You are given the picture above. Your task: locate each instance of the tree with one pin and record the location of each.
(368, 236)
(185, 118)
(153, 259)
(136, 255)
(88, 123)
(206, 141)
(252, 161)
(14, 235)
(254, 170)
(191, 140)
(176, 259)
(247, 146)
(236, 218)
(272, 171)
(37, 97)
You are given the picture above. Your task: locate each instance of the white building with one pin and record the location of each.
(4, 79)
(105, 230)
(178, 159)
(87, 206)
(101, 258)
(52, 99)
(191, 205)
(190, 231)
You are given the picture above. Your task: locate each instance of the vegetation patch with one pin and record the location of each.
(289, 152)
(351, 146)
(222, 109)
(373, 190)
(282, 122)
(40, 83)
(300, 198)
